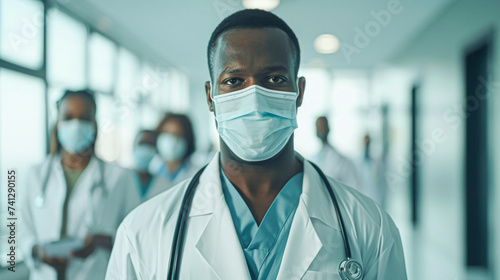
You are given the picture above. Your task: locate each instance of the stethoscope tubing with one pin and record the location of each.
(178, 240)
(180, 227)
(347, 248)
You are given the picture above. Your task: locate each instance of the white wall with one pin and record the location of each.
(435, 57)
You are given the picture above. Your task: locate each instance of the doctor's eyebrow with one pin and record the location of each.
(229, 70)
(268, 69)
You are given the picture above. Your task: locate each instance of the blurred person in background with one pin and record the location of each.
(175, 145)
(144, 151)
(333, 163)
(372, 174)
(73, 202)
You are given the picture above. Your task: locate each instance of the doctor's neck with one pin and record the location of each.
(76, 161)
(263, 176)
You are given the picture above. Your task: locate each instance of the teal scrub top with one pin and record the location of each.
(165, 171)
(264, 245)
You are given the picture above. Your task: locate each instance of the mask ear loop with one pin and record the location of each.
(297, 96)
(213, 105)
(212, 98)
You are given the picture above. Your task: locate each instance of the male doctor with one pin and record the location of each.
(260, 211)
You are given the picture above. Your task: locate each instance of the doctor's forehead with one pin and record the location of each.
(253, 50)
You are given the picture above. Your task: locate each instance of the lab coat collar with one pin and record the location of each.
(218, 243)
(57, 158)
(304, 242)
(314, 193)
(209, 190)
(316, 197)
(94, 168)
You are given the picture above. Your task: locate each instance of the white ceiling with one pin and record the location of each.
(178, 30)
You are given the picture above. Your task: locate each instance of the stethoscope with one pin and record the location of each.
(349, 269)
(40, 199)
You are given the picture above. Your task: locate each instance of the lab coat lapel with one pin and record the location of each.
(304, 242)
(218, 244)
(54, 198)
(57, 182)
(302, 246)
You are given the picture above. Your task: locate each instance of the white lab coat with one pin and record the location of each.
(337, 166)
(41, 225)
(212, 249)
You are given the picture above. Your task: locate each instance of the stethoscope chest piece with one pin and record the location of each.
(350, 270)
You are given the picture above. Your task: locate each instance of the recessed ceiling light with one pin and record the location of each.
(326, 43)
(267, 5)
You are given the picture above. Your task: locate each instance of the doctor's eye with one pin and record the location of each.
(276, 80)
(232, 81)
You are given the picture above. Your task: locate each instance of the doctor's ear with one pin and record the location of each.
(301, 83)
(208, 90)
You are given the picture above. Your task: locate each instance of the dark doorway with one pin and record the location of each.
(477, 71)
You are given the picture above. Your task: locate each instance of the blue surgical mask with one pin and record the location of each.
(76, 135)
(171, 147)
(143, 154)
(255, 122)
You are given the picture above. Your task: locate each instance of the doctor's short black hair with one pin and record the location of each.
(252, 19)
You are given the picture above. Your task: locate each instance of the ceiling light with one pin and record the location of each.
(267, 5)
(326, 43)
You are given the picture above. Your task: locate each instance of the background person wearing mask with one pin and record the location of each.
(333, 163)
(73, 196)
(175, 144)
(144, 151)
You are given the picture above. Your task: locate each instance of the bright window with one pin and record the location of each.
(22, 135)
(102, 58)
(22, 99)
(178, 87)
(108, 144)
(21, 31)
(127, 76)
(65, 50)
(315, 103)
(349, 104)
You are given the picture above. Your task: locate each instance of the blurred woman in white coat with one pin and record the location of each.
(73, 202)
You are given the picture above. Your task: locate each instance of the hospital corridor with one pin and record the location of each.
(250, 139)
